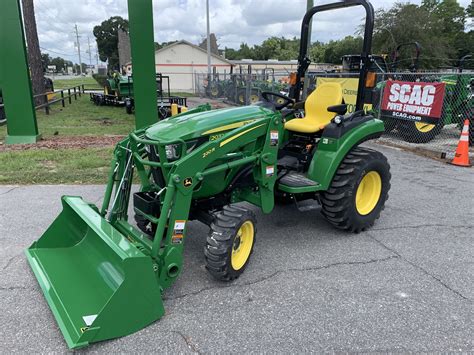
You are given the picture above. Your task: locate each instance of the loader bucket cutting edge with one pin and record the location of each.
(98, 285)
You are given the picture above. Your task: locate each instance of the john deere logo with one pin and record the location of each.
(188, 182)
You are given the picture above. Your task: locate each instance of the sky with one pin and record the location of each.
(233, 21)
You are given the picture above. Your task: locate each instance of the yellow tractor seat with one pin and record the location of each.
(317, 115)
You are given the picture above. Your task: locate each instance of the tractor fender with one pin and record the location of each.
(332, 149)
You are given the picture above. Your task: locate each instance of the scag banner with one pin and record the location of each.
(413, 101)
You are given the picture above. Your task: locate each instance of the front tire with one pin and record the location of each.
(358, 191)
(230, 243)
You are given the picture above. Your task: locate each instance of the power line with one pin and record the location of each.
(58, 53)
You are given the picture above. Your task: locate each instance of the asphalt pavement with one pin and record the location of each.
(405, 285)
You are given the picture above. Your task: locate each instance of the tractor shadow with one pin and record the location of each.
(286, 239)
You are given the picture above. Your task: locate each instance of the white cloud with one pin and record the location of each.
(233, 21)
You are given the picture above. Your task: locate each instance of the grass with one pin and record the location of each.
(50, 166)
(67, 166)
(68, 83)
(81, 118)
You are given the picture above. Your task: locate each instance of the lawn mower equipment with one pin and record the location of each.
(117, 87)
(104, 278)
(166, 102)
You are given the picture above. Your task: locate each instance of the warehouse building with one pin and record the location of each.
(182, 60)
(185, 64)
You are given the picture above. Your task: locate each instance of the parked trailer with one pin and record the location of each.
(165, 99)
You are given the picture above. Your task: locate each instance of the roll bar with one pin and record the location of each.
(396, 56)
(462, 60)
(304, 61)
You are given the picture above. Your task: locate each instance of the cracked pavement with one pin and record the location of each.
(405, 285)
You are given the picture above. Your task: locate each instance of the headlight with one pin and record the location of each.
(172, 151)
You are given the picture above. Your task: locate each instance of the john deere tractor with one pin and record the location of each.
(116, 89)
(103, 277)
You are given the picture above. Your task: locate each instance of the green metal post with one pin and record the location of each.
(15, 78)
(140, 16)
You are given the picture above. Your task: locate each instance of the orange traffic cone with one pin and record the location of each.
(461, 157)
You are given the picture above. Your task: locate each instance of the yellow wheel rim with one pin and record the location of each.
(253, 98)
(368, 193)
(241, 98)
(243, 242)
(424, 127)
(214, 92)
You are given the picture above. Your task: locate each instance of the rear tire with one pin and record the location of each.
(341, 204)
(241, 97)
(128, 107)
(417, 132)
(230, 242)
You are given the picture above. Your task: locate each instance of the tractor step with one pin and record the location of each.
(294, 182)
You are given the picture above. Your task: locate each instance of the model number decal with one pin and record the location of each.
(215, 137)
(208, 152)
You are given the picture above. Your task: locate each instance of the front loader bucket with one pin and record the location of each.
(98, 285)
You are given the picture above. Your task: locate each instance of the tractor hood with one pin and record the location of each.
(205, 123)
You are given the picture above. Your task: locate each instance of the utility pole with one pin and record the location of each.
(78, 49)
(89, 51)
(208, 41)
(34, 52)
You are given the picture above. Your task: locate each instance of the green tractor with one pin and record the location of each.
(103, 277)
(117, 87)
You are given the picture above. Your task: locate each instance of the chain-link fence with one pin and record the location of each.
(437, 135)
(240, 89)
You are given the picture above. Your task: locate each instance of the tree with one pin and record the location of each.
(408, 23)
(45, 61)
(34, 53)
(214, 46)
(106, 35)
(334, 50)
(59, 63)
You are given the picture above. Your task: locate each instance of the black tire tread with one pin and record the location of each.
(337, 201)
(220, 241)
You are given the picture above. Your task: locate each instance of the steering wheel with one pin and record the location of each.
(287, 101)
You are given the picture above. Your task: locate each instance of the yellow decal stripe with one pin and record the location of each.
(227, 127)
(228, 140)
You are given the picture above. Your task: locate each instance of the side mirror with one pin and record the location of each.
(339, 109)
